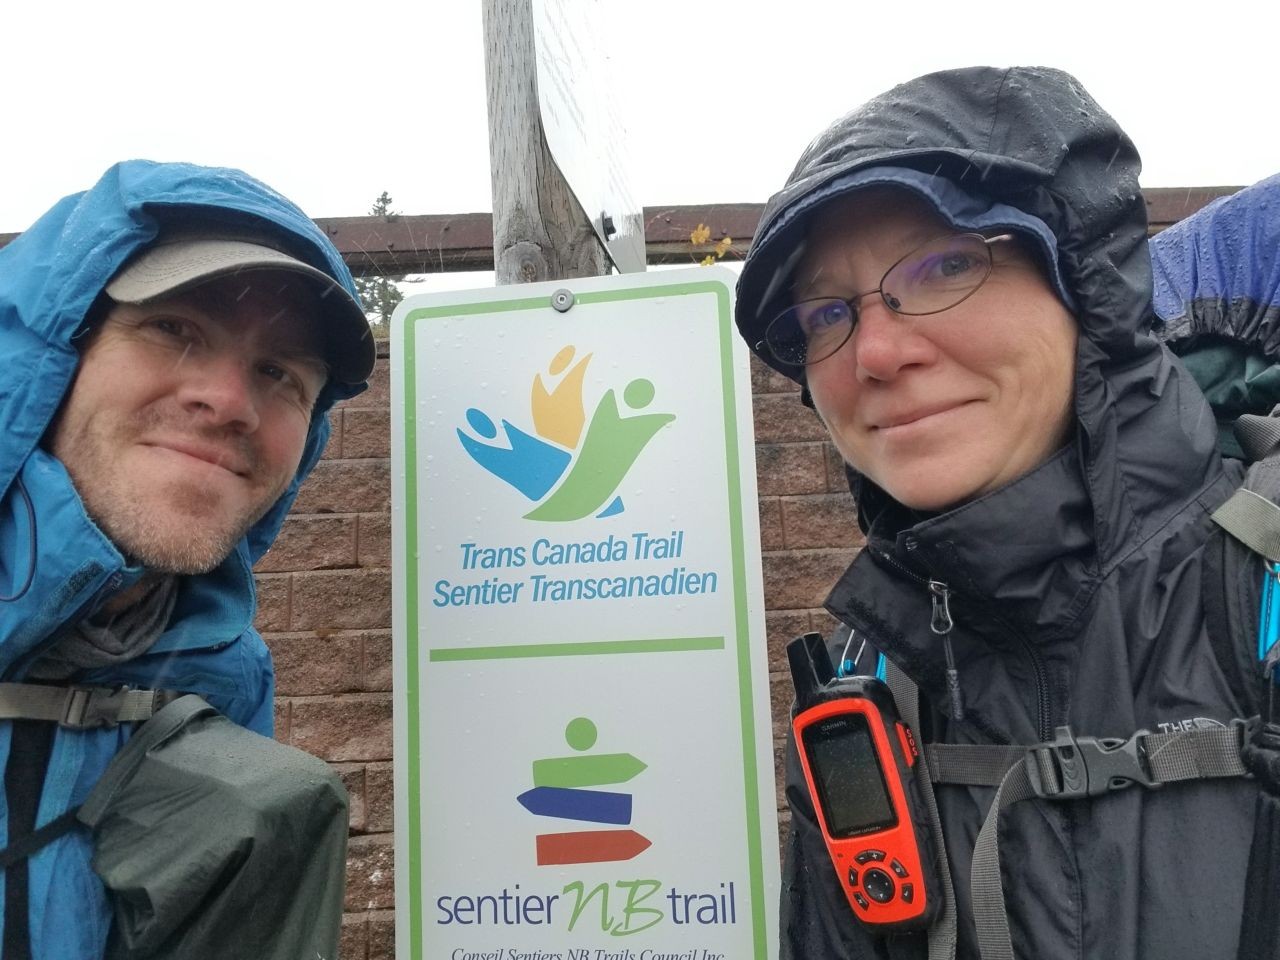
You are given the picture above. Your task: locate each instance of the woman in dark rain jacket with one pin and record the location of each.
(1073, 566)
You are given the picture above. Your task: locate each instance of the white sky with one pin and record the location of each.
(718, 98)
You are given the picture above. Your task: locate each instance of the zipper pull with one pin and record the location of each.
(941, 624)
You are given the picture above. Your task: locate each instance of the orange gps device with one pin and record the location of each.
(859, 762)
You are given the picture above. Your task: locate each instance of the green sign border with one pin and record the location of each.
(409, 567)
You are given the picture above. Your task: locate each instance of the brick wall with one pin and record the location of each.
(324, 607)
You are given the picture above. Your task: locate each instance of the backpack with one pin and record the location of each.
(213, 841)
(1217, 295)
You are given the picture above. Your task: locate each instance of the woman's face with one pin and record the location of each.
(941, 409)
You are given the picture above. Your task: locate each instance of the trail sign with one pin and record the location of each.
(583, 744)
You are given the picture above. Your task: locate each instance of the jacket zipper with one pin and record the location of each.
(941, 622)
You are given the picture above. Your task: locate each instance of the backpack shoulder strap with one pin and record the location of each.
(1242, 594)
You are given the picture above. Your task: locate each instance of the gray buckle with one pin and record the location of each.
(86, 708)
(1071, 766)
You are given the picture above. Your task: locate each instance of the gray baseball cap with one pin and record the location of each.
(177, 263)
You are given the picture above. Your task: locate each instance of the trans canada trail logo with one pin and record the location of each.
(568, 467)
(561, 791)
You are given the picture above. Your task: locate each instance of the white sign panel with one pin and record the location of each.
(582, 129)
(583, 747)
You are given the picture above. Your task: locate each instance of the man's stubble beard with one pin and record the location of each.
(174, 529)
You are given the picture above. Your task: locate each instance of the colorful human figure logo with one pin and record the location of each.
(569, 467)
(559, 791)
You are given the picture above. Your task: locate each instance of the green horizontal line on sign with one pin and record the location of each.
(588, 649)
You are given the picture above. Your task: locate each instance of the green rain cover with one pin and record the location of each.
(216, 842)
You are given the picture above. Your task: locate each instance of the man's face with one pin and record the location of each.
(188, 416)
(937, 410)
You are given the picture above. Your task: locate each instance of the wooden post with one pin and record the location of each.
(540, 232)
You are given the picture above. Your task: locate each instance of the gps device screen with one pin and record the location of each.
(851, 786)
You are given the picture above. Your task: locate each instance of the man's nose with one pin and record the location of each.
(218, 387)
(884, 343)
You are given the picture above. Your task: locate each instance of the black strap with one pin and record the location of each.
(19, 850)
(942, 933)
(1074, 767)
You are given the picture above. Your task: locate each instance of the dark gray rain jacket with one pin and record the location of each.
(1076, 590)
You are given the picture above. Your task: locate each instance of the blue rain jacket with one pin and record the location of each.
(56, 566)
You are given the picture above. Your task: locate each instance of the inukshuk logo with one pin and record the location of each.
(569, 474)
(559, 790)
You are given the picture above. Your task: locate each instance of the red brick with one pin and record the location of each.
(801, 579)
(354, 943)
(376, 671)
(379, 789)
(281, 720)
(366, 433)
(821, 520)
(312, 543)
(273, 602)
(823, 622)
(779, 417)
(780, 779)
(352, 775)
(781, 695)
(379, 392)
(790, 468)
(346, 486)
(765, 379)
(771, 524)
(371, 873)
(373, 540)
(308, 664)
(344, 728)
(781, 627)
(382, 935)
(341, 600)
(837, 478)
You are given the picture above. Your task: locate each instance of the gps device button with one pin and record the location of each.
(866, 856)
(898, 868)
(878, 884)
(908, 893)
(853, 877)
(862, 901)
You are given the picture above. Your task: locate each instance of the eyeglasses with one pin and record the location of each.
(931, 278)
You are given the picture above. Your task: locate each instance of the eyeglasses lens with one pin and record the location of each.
(937, 276)
(930, 279)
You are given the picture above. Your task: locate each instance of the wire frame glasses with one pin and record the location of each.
(933, 277)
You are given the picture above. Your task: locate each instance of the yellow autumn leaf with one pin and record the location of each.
(701, 234)
(723, 245)
(707, 261)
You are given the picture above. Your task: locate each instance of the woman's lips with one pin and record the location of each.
(917, 416)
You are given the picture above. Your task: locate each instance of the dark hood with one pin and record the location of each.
(1031, 138)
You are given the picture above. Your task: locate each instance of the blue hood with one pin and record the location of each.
(1217, 297)
(51, 275)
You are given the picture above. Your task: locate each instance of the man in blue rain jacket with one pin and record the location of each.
(172, 341)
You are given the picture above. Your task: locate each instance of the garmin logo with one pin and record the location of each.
(1191, 723)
